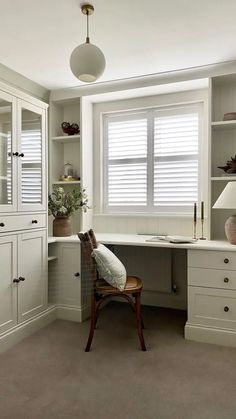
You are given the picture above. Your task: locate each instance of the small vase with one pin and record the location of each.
(61, 226)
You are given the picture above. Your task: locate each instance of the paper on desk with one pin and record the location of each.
(172, 239)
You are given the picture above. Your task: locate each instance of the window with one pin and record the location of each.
(152, 160)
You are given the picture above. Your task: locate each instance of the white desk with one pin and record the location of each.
(211, 282)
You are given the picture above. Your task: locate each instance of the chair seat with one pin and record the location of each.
(133, 284)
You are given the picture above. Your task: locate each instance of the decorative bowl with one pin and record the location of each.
(70, 129)
(229, 116)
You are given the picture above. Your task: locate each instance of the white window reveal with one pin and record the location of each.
(152, 160)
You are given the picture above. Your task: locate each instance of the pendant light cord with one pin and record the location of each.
(87, 37)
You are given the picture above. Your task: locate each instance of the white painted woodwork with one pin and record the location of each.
(8, 289)
(32, 265)
(212, 260)
(22, 222)
(213, 278)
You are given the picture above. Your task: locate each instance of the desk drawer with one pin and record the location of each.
(212, 307)
(212, 278)
(22, 222)
(212, 259)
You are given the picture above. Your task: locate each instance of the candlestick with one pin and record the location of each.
(195, 212)
(202, 210)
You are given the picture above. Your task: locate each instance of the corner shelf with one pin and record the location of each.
(222, 125)
(71, 182)
(67, 139)
(50, 258)
(225, 178)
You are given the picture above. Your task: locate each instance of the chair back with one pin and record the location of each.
(88, 243)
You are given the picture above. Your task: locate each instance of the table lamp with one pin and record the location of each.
(227, 200)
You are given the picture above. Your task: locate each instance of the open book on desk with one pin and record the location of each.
(172, 239)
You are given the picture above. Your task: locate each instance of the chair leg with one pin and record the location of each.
(139, 321)
(92, 324)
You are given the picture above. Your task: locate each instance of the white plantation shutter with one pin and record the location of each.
(152, 160)
(176, 158)
(126, 161)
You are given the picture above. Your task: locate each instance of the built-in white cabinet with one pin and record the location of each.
(23, 281)
(223, 145)
(22, 155)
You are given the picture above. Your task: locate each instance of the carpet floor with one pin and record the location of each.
(49, 376)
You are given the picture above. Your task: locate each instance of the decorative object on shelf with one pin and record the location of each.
(194, 220)
(69, 174)
(70, 129)
(229, 116)
(227, 200)
(87, 61)
(230, 166)
(62, 205)
(202, 220)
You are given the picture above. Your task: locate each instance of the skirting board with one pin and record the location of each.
(75, 314)
(210, 335)
(20, 332)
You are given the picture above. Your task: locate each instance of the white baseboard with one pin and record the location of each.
(210, 335)
(75, 314)
(20, 332)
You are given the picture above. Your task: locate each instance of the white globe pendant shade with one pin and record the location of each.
(87, 62)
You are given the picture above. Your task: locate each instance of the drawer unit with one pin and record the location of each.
(212, 307)
(212, 278)
(22, 222)
(212, 259)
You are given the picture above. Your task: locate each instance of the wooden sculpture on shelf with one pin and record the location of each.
(230, 166)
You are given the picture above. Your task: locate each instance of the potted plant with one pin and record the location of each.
(62, 205)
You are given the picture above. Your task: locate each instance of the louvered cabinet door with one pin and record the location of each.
(32, 274)
(8, 288)
(31, 132)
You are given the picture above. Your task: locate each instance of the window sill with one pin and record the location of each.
(149, 215)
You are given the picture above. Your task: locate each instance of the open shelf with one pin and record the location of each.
(222, 125)
(225, 178)
(67, 139)
(50, 258)
(71, 182)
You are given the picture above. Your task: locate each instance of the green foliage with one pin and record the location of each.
(61, 203)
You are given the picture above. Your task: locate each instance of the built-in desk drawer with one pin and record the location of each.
(212, 278)
(212, 259)
(22, 222)
(212, 307)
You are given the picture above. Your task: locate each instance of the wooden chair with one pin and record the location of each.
(101, 290)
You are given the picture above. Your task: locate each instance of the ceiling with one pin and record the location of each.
(137, 37)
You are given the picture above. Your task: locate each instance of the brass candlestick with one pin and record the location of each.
(195, 229)
(202, 237)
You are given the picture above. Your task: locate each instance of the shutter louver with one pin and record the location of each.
(127, 162)
(31, 172)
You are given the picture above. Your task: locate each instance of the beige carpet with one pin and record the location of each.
(49, 376)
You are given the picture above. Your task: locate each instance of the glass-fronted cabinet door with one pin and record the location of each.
(32, 156)
(8, 153)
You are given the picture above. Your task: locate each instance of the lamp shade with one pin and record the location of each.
(227, 198)
(87, 62)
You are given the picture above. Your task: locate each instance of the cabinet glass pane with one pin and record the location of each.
(31, 147)
(5, 152)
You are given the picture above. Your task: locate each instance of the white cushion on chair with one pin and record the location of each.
(110, 267)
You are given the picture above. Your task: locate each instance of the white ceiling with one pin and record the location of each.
(137, 37)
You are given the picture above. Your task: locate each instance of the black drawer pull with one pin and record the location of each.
(16, 280)
(15, 154)
(21, 155)
(34, 221)
(2, 225)
(77, 274)
(226, 309)
(226, 260)
(21, 278)
(226, 280)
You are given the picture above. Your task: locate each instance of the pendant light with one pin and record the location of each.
(87, 62)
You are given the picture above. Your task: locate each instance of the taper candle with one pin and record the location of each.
(195, 212)
(202, 210)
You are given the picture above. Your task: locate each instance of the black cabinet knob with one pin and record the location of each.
(226, 260)
(2, 225)
(21, 278)
(77, 274)
(16, 280)
(34, 221)
(226, 309)
(226, 280)
(15, 154)
(21, 155)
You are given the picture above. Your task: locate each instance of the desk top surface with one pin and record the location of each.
(141, 240)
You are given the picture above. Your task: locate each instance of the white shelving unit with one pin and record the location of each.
(65, 183)
(223, 145)
(64, 139)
